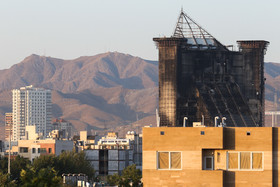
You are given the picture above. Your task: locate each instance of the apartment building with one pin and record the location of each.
(8, 126)
(31, 107)
(31, 149)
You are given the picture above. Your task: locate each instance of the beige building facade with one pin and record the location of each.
(211, 156)
(31, 149)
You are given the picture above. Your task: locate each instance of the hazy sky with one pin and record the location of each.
(71, 28)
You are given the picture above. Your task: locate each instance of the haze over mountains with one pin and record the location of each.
(108, 91)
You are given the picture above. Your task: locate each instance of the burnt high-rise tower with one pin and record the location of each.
(199, 78)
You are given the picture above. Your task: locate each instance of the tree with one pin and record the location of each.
(17, 165)
(46, 169)
(6, 181)
(132, 174)
(45, 177)
(129, 175)
(72, 162)
(114, 179)
(45, 161)
(4, 164)
(66, 162)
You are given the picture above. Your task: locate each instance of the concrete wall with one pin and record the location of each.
(63, 145)
(92, 154)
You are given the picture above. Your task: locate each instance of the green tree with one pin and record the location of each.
(6, 181)
(66, 162)
(131, 174)
(45, 161)
(17, 165)
(72, 162)
(45, 177)
(23, 171)
(114, 179)
(4, 164)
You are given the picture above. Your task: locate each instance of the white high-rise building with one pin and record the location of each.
(31, 107)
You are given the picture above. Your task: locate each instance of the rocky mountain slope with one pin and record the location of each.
(110, 91)
(95, 93)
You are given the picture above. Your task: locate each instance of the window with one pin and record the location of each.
(232, 160)
(33, 150)
(23, 149)
(175, 160)
(43, 150)
(50, 150)
(257, 161)
(245, 161)
(163, 160)
(169, 160)
(208, 163)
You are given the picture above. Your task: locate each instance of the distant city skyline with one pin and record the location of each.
(69, 29)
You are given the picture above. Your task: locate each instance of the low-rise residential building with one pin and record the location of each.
(212, 156)
(33, 148)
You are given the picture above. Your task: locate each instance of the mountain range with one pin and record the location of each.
(109, 91)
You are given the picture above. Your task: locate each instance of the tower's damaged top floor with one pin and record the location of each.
(200, 79)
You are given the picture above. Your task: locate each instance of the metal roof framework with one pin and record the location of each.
(186, 27)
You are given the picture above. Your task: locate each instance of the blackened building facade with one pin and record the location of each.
(199, 78)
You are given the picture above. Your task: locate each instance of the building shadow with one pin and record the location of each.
(229, 138)
(229, 144)
(275, 156)
(229, 179)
